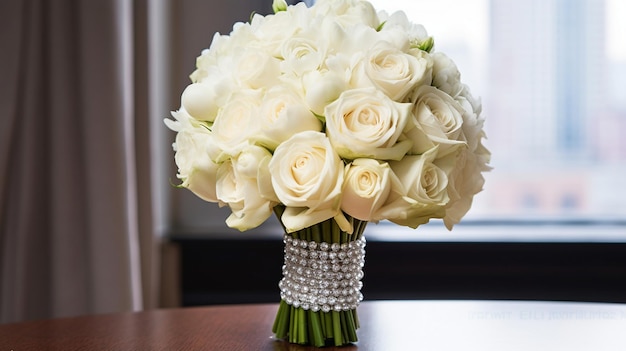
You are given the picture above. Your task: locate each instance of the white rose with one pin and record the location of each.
(346, 41)
(221, 44)
(465, 181)
(202, 100)
(195, 168)
(361, 12)
(309, 49)
(348, 12)
(208, 58)
(283, 114)
(307, 175)
(242, 35)
(426, 193)
(303, 52)
(475, 105)
(272, 30)
(241, 184)
(255, 69)
(396, 37)
(399, 22)
(446, 75)
(366, 123)
(331, 7)
(473, 123)
(366, 188)
(426, 66)
(391, 70)
(202, 62)
(219, 55)
(437, 120)
(235, 125)
(322, 88)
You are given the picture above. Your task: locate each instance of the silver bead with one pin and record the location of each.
(322, 276)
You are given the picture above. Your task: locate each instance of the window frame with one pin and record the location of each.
(589, 268)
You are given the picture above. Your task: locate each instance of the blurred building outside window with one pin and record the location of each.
(550, 74)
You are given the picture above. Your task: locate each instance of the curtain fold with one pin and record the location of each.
(76, 233)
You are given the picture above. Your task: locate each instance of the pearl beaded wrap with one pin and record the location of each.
(322, 276)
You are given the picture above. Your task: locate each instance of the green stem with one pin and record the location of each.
(316, 329)
(351, 326)
(329, 325)
(280, 327)
(337, 333)
(344, 325)
(302, 326)
(336, 234)
(293, 336)
(355, 316)
(322, 319)
(319, 328)
(317, 235)
(327, 231)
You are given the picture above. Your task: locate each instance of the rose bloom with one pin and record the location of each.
(437, 120)
(302, 53)
(195, 168)
(236, 123)
(282, 114)
(208, 59)
(366, 188)
(242, 184)
(366, 123)
(307, 175)
(348, 12)
(254, 68)
(202, 100)
(322, 88)
(466, 179)
(398, 22)
(446, 75)
(392, 70)
(426, 189)
(271, 31)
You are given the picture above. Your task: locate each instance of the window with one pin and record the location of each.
(550, 75)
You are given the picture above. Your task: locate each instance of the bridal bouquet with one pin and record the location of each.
(330, 117)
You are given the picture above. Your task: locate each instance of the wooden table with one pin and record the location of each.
(385, 325)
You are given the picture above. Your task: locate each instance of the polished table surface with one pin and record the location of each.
(385, 325)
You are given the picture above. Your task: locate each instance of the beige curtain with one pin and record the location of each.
(76, 223)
